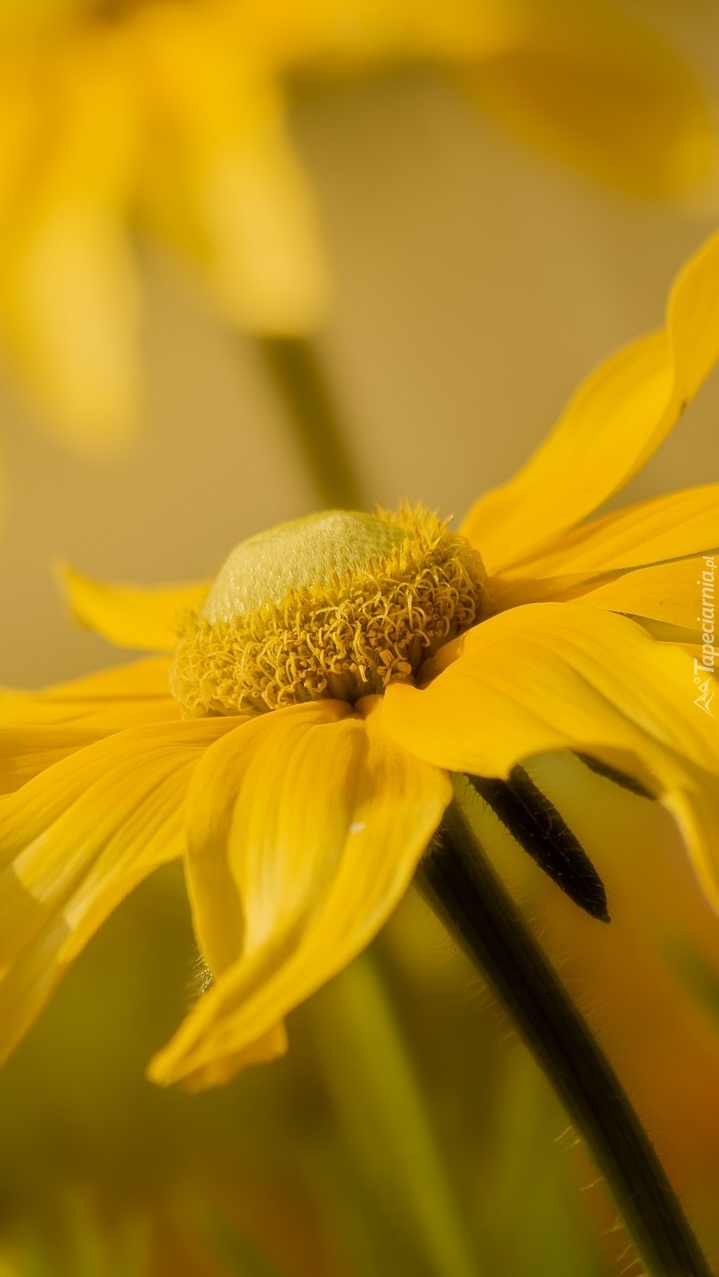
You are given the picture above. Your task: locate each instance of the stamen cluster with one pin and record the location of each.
(345, 637)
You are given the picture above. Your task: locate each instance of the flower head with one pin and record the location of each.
(336, 605)
(296, 749)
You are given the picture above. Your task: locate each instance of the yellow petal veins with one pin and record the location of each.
(329, 821)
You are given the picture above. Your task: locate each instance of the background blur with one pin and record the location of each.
(476, 280)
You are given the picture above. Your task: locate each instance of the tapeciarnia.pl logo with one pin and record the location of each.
(704, 668)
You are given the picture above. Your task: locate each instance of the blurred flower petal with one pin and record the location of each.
(268, 266)
(142, 617)
(590, 85)
(74, 326)
(341, 36)
(27, 751)
(226, 184)
(173, 116)
(69, 293)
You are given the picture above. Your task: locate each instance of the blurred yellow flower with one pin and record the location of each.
(159, 111)
(335, 673)
(171, 116)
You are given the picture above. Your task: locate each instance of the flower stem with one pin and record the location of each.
(462, 888)
(300, 379)
(383, 1116)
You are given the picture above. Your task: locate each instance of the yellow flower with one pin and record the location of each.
(333, 676)
(170, 116)
(163, 111)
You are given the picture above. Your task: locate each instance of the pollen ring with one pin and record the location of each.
(350, 634)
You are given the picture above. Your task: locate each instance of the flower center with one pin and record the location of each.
(334, 605)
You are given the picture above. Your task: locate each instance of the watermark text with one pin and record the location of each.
(704, 667)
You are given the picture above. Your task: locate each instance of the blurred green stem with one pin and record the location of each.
(299, 376)
(383, 1113)
(462, 888)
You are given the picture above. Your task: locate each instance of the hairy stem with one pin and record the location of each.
(464, 891)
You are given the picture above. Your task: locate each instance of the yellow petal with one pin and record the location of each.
(601, 562)
(225, 182)
(72, 322)
(280, 851)
(136, 616)
(74, 841)
(611, 426)
(549, 676)
(668, 527)
(37, 729)
(69, 299)
(325, 37)
(109, 701)
(223, 1068)
(268, 267)
(293, 870)
(27, 751)
(602, 92)
(667, 592)
(554, 676)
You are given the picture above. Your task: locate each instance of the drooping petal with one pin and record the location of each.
(75, 841)
(611, 426)
(305, 827)
(142, 617)
(561, 676)
(39, 728)
(282, 852)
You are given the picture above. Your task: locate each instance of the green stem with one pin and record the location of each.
(464, 891)
(298, 374)
(383, 1113)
